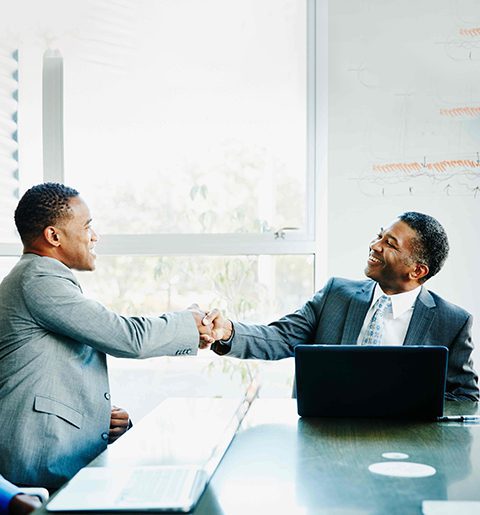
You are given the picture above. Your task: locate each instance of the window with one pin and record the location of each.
(189, 127)
(249, 288)
(9, 165)
(194, 114)
(6, 264)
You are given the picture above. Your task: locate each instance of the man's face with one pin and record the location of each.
(77, 237)
(391, 262)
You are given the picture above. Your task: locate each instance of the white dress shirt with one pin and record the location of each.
(397, 320)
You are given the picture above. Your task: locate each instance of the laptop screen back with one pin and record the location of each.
(162, 464)
(370, 381)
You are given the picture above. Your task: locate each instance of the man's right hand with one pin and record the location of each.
(204, 329)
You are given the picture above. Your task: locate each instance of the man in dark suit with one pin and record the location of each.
(391, 307)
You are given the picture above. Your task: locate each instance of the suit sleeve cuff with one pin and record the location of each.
(222, 347)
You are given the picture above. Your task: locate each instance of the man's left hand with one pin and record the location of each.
(119, 424)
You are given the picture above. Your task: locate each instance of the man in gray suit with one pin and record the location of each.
(401, 258)
(54, 393)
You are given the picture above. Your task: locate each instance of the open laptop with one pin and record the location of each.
(370, 381)
(162, 487)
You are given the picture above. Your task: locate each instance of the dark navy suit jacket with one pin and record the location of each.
(335, 315)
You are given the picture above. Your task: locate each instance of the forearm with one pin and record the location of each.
(57, 304)
(462, 380)
(463, 385)
(256, 342)
(260, 342)
(276, 340)
(169, 334)
(68, 312)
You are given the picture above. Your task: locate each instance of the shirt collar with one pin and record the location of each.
(401, 302)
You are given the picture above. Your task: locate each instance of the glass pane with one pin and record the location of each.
(6, 264)
(24, 29)
(246, 288)
(185, 116)
(9, 155)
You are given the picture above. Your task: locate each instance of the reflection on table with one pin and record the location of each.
(280, 463)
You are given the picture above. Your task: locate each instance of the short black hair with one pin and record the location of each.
(431, 247)
(42, 205)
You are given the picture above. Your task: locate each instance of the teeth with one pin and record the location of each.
(375, 259)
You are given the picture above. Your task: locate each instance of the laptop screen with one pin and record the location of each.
(370, 381)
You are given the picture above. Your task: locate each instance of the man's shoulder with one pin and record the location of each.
(34, 265)
(348, 285)
(338, 289)
(445, 306)
(32, 268)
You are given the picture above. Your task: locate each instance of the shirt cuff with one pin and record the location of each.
(7, 492)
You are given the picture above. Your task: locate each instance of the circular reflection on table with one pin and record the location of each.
(402, 469)
(395, 455)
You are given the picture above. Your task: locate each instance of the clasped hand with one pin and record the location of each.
(211, 325)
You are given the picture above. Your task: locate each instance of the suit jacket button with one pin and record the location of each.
(105, 436)
(107, 396)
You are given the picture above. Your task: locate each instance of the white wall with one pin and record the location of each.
(403, 88)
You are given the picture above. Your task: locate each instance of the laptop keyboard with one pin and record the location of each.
(159, 485)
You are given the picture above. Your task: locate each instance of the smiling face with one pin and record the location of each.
(391, 261)
(76, 238)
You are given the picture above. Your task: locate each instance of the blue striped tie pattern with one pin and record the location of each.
(374, 332)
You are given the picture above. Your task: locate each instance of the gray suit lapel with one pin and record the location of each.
(423, 315)
(357, 311)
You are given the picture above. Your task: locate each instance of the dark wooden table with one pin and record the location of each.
(282, 464)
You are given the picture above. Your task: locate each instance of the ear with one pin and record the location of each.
(52, 236)
(419, 272)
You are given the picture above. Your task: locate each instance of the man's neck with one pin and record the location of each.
(387, 290)
(39, 250)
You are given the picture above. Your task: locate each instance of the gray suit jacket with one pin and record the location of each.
(335, 315)
(54, 392)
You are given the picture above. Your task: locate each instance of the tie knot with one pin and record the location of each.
(384, 303)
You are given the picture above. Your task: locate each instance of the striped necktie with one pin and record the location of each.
(374, 333)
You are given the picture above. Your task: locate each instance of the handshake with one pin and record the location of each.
(211, 325)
